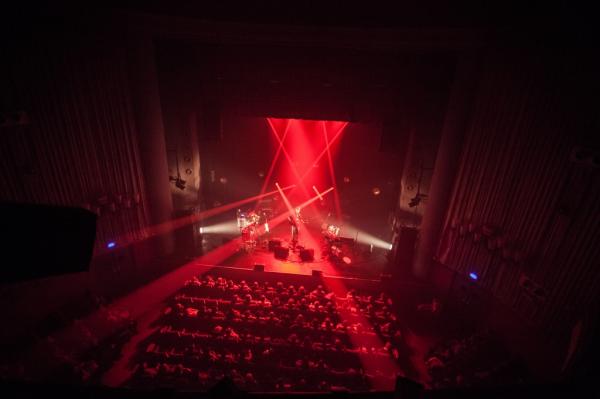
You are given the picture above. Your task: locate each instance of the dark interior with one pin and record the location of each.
(310, 199)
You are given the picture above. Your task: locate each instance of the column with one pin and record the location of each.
(151, 138)
(446, 163)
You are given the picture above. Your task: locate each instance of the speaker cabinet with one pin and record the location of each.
(274, 244)
(307, 255)
(259, 268)
(281, 252)
(404, 250)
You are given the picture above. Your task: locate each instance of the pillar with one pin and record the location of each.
(151, 139)
(446, 163)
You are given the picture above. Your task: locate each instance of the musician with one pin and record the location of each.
(294, 226)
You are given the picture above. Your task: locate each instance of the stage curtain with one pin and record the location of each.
(521, 206)
(78, 146)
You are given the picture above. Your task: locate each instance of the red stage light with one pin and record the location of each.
(338, 207)
(318, 193)
(166, 227)
(305, 147)
(276, 157)
(292, 163)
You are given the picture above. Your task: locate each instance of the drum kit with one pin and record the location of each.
(248, 225)
(336, 247)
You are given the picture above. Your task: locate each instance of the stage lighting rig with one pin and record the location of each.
(179, 182)
(416, 200)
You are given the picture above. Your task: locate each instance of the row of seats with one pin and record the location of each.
(270, 337)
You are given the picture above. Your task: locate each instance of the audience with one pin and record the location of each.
(475, 361)
(269, 337)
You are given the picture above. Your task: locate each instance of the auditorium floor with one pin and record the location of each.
(145, 304)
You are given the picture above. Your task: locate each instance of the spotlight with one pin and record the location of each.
(376, 191)
(416, 200)
(111, 244)
(267, 227)
(347, 260)
(473, 276)
(369, 240)
(179, 182)
(229, 227)
(346, 179)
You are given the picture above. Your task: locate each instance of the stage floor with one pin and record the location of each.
(365, 261)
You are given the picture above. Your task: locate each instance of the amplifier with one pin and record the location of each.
(346, 240)
(274, 243)
(307, 255)
(281, 252)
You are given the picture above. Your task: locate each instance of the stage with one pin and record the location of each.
(356, 257)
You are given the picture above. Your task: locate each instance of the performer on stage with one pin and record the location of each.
(294, 226)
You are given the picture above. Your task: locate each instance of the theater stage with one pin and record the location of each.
(357, 257)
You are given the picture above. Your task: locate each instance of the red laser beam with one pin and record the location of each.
(288, 157)
(224, 251)
(318, 193)
(335, 137)
(304, 148)
(282, 217)
(309, 240)
(152, 231)
(382, 368)
(336, 197)
(276, 157)
(285, 200)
